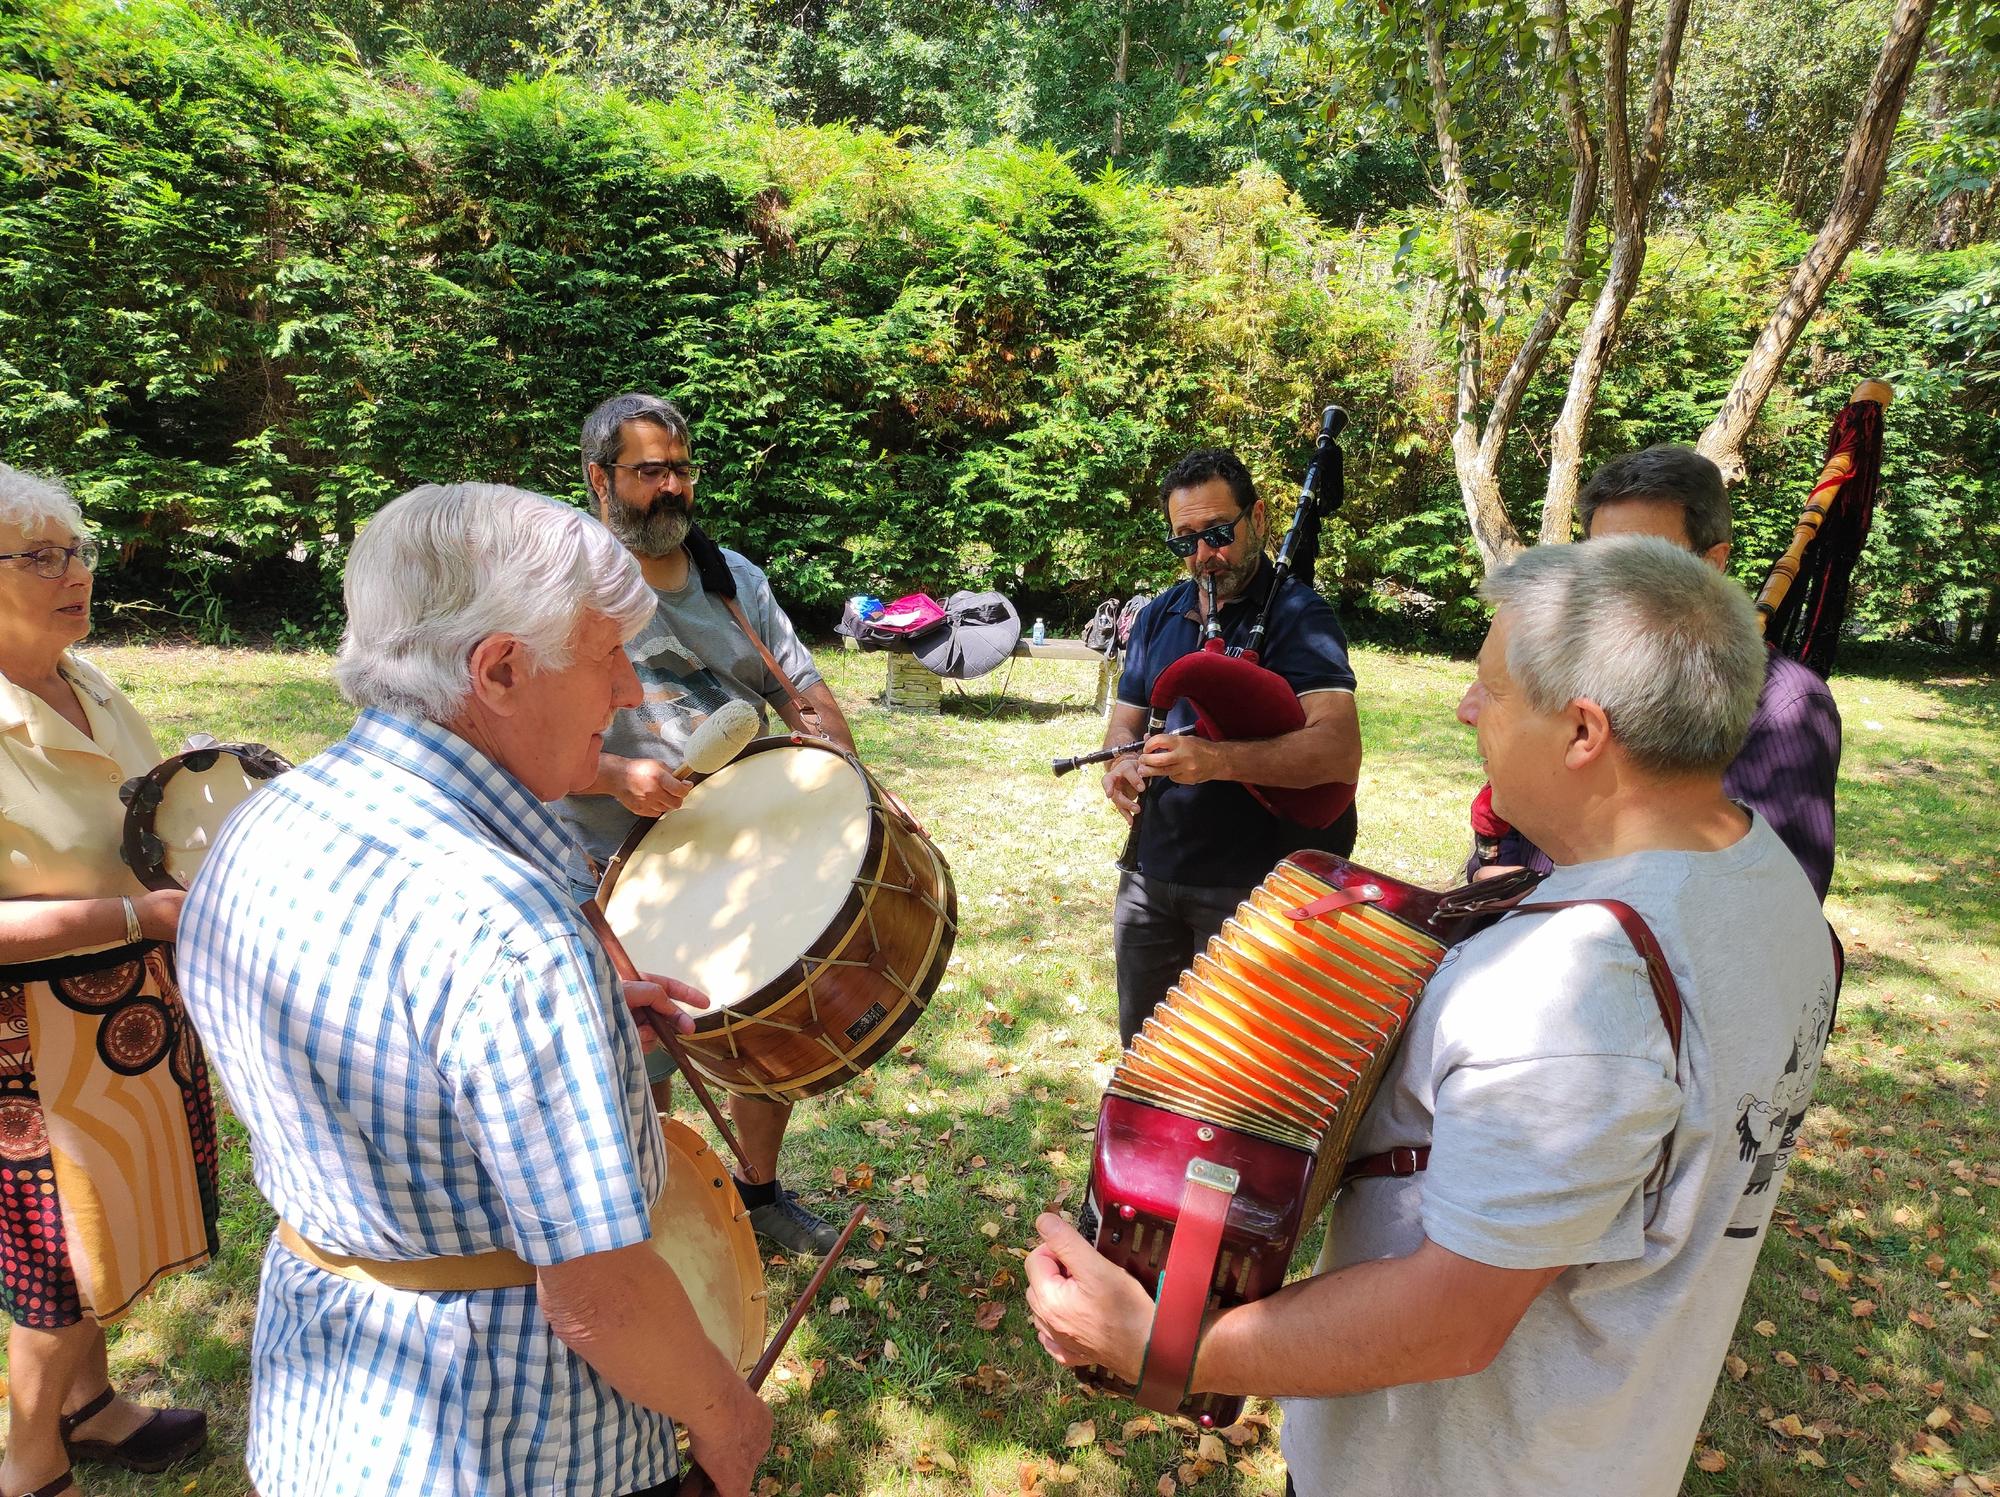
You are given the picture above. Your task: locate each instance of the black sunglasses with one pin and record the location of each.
(1217, 535)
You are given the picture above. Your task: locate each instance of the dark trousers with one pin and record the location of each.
(1156, 928)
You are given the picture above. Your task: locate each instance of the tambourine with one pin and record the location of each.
(175, 810)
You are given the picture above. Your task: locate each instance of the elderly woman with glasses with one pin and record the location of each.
(107, 1129)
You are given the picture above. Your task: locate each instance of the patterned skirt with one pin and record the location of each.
(107, 1135)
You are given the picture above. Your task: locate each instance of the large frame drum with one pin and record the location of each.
(815, 915)
(701, 1228)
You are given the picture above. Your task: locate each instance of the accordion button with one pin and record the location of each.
(1205, 1134)
(1127, 1212)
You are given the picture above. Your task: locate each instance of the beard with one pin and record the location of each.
(658, 531)
(1230, 581)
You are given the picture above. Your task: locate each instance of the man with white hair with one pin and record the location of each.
(1534, 1296)
(436, 1065)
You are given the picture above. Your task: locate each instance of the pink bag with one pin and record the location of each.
(914, 613)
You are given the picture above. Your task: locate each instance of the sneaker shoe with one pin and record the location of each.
(788, 1225)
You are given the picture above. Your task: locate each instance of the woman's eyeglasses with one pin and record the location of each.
(53, 561)
(1217, 535)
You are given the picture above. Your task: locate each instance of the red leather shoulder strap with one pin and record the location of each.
(1666, 992)
(1398, 1163)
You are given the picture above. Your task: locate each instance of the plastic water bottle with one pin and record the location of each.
(1041, 634)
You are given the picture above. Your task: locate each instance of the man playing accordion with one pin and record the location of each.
(1539, 1301)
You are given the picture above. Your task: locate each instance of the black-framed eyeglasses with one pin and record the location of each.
(1218, 535)
(53, 561)
(657, 472)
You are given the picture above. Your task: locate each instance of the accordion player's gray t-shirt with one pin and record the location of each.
(1538, 1069)
(691, 657)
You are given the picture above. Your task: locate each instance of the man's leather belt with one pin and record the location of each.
(498, 1269)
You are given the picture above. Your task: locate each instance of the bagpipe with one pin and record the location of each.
(1803, 601)
(1232, 696)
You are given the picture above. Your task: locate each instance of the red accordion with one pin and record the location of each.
(1227, 1121)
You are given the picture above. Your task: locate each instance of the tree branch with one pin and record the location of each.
(1853, 206)
(1513, 387)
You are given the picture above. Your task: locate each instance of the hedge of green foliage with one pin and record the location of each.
(245, 298)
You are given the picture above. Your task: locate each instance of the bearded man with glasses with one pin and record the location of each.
(1205, 842)
(695, 653)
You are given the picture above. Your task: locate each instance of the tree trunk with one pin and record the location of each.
(1118, 76)
(1478, 479)
(1633, 185)
(1853, 206)
(1576, 241)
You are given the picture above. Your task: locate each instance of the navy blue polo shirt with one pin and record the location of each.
(1218, 835)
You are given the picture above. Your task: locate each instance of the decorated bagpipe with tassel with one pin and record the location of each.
(1231, 695)
(1803, 601)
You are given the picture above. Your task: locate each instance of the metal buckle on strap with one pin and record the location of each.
(1216, 1176)
(1403, 1161)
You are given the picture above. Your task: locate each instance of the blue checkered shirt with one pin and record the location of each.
(431, 1057)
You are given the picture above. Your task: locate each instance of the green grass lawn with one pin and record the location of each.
(1862, 1361)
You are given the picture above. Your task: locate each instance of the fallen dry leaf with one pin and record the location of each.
(1166, 1486)
(1737, 1367)
(990, 1314)
(1209, 1448)
(1861, 1309)
(1143, 1425)
(1710, 1460)
(1765, 1328)
(1079, 1434)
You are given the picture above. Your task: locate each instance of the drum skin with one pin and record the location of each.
(843, 1002)
(174, 810)
(701, 1228)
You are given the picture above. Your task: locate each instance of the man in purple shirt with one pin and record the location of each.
(1786, 769)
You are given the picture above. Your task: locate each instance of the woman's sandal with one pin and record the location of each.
(53, 1488)
(170, 1435)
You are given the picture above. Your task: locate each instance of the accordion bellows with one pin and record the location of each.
(1251, 1077)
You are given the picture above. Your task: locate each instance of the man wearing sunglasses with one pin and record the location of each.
(1204, 841)
(694, 654)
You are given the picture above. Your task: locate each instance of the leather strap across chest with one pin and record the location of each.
(1399, 1163)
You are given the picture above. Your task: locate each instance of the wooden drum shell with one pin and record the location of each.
(847, 999)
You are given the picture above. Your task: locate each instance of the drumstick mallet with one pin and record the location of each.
(791, 1321)
(720, 738)
(804, 1302)
(663, 1030)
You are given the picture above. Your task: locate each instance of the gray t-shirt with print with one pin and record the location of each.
(1539, 1071)
(691, 657)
